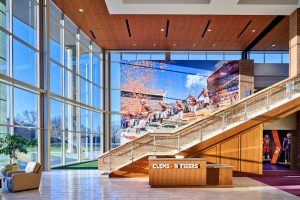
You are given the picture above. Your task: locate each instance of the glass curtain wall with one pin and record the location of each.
(76, 92)
(75, 87)
(19, 50)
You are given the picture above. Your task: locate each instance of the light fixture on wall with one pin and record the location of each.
(214, 45)
(209, 30)
(80, 10)
(174, 44)
(162, 30)
(253, 30)
(194, 45)
(273, 45)
(154, 44)
(134, 44)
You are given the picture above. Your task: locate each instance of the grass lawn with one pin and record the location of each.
(86, 165)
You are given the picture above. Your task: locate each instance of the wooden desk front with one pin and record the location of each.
(172, 172)
(219, 175)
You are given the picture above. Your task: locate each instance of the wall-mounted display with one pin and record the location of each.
(160, 96)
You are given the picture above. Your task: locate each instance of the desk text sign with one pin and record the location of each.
(176, 166)
(177, 172)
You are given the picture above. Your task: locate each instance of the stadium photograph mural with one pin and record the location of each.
(161, 96)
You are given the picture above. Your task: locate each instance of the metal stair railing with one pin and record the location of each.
(203, 129)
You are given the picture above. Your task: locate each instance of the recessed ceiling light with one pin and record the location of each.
(162, 30)
(80, 10)
(154, 44)
(209, 30)
(273, 45)
(194, 45)
(214, 45)
(253, 30)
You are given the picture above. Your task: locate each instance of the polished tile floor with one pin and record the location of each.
(88, 184)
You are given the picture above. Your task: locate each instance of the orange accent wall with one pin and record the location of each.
(278, 147)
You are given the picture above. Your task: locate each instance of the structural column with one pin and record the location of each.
(3, 62)
(246, 77)
(44, 110)
(294, 43)
(294, 70)
(295, 146)
(106, 138)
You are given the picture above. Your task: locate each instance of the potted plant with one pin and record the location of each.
(10, 145)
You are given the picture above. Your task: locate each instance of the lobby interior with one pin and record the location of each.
(106, 87)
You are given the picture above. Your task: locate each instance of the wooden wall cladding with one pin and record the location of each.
(243, 151)
(229, 153)
(210, 154)
(251, 150)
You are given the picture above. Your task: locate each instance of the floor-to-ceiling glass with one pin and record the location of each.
(19, 50)
(75, 83)
(76, 92)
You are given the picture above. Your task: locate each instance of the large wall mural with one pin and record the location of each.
(160, 96)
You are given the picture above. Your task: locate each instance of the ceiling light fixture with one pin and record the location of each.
(253, 30)
(209, 30)
(80, 10)
(162, 30)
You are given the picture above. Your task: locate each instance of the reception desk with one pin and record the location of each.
(172, 172)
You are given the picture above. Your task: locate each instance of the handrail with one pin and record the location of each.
(199, 129)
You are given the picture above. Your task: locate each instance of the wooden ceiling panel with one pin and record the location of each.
(184, 30)
(281, 33)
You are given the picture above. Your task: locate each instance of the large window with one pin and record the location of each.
(56, 37)
(73, 79)
(205, 55)
(56, 124)
(4, 14)
(5, 116)
(24, 63)
(26, 120)
(179, 56)
(4, 53)
(19, 104)
(269, 56)
(25, 16)
(76, 83)
(56, 78)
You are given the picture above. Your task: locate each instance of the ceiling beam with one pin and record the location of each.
(268, 29)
